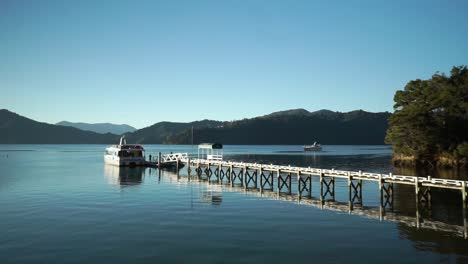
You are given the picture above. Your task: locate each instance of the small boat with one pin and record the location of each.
(125, 154)
(313, 147)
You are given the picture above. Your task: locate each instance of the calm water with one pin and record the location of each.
(61, 204)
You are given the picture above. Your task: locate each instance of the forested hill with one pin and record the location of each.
(296, 126)
(159, 133)
(287, 127)
(16, 129)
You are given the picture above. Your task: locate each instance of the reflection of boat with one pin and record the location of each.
(313, 147)
(123, 175)
(125, 154)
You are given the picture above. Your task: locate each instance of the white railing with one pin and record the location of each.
(174, 157)
(214, 157)
(401, 179)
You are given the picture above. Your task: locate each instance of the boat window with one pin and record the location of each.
(130, 154)
(136, 153)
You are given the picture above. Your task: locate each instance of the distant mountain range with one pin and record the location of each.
(297, 126)
(101, 128)
(16, 129)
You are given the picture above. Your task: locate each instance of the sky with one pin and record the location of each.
(141, 62)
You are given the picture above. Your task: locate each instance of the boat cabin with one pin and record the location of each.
(210, 151)
(125, 154)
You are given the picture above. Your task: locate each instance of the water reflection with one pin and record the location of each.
(435, 242)
(213, 195)
(124, 176)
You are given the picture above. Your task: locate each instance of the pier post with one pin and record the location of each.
(244, 178)
(321, 189)
(360, 188)
(464, 195)
(228, 174)
(299, 191)
(272, 175)
(207, 171)
(290, 184)
(416, 188)
(332, 180)
(159, 160)
(381, 190)
(278, 176)
(256, 178)
(177, 167)
(241, 175)
(220, 176)
(199, 170)
(464, 205)
(381, 209)
(231, 179)
(188, 167)
(261, 179)
(360, 192)
(350, 200)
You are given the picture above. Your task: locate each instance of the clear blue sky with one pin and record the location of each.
(140, 62)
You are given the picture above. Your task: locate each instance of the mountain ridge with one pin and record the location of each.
(297, 126)
(101, 128)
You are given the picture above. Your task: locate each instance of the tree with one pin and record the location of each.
(431, 118)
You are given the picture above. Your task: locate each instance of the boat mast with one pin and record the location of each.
(192, 139)
(123, 141)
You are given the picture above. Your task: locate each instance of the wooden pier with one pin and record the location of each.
(278, 180)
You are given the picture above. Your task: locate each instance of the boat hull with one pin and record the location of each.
(313, 149)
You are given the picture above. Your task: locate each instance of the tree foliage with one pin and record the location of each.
(431, 117)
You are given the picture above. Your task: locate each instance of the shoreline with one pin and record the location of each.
(438, 161)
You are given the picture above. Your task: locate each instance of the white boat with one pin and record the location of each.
(313, 147)
(125, 154)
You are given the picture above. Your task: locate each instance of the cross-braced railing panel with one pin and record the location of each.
(174, 157)
(304, 184)
(284, 182)
(266, 180)
(250, 176)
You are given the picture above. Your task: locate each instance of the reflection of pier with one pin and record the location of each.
(213, 195)
(269, 178)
